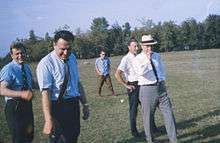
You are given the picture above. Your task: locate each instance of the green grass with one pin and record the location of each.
(193, 85)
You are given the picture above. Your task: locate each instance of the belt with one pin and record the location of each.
(71, 99)
(154, 84)
(17, 99)
(74, 98)
(132, 83)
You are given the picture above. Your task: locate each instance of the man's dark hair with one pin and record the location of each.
(132, 39)
(64, 34)
(102, 50)
(18, 46)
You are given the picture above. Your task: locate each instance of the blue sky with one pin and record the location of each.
(17, 18)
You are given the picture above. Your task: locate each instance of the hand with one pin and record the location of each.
(149, 55)
(130, 87)
(47, 127)
(85, 112)
(26, 95)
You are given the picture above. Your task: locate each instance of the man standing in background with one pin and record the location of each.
(103, 68)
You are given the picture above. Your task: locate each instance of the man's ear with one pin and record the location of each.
(54, 44)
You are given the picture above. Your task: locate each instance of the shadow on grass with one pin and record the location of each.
(208, 132)
(134, 140)
(142, 138)
(192, 122)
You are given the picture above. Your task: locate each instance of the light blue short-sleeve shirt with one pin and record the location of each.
(103, 65)
(12, 74)
(51, 73)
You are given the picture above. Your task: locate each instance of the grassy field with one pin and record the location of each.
(194, 87)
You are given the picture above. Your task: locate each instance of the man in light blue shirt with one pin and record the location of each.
(16, 86)
(58, 79)
(103, 67)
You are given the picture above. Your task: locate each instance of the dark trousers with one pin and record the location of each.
(66, 121)
(133, 98)
(20, 120)
(108, 81)
(133, 105)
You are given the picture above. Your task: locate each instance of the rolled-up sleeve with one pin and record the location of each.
(44, 76)
(5, 75)
(122, 66)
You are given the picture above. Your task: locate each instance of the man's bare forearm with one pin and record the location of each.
(46, 105)
(5, 91)
(118, 76)
(82, 97)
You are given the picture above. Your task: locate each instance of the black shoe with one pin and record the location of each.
(136, 134)
(156, 130)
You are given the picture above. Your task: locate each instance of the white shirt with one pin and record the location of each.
(127, 68)
(144, 70)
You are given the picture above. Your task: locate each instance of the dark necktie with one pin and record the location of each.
(24, 78)
(65, 82)
(154, 69)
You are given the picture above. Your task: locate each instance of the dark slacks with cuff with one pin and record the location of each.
(133, 98)
(66, 121)
(20, 120)
(151, 97)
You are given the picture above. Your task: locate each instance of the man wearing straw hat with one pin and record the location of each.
(151, 78)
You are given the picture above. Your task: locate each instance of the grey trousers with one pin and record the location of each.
(150, 99)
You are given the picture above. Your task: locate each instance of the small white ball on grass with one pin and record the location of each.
(122, 100)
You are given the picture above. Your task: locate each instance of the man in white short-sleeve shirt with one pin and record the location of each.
(130, 82)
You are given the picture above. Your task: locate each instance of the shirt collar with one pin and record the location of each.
(130, 54)
(16, 64)
(56, 57)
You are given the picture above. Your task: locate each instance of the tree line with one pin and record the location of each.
(189, 35)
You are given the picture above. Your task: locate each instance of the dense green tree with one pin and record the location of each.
(212, 31)
(99, 33)
(168, 36)
(99, 24)
(115, 40)
(83, 47)
(189, 33)
(47, 37)
(32, 37)
(201, 36)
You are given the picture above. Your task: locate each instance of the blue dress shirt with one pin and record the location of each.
(12, 74)
(159, 66)
(51, 73)
(103, 65)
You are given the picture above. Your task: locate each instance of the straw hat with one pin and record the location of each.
(148, 40)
